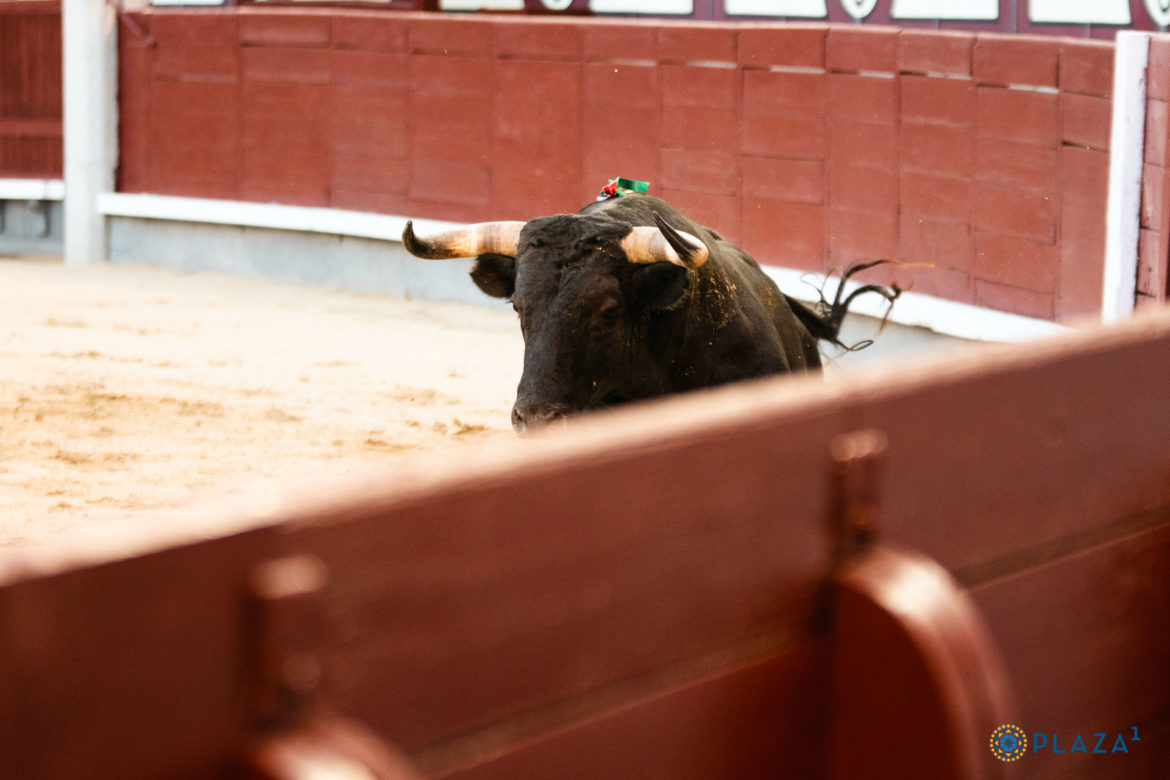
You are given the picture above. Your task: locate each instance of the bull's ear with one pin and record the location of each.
(661, 285)
(495, 275)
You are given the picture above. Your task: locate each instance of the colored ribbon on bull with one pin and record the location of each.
(619, 187)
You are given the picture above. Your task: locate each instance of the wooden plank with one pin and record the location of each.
(131, 669)
(556, 576)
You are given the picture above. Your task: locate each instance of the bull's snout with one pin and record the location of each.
(527, 417)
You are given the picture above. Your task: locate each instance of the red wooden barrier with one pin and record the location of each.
(30, 89)
(814, 146)
(707, 587)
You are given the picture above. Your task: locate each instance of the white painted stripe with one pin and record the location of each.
(262, 215)
(960, 320)
(32, 189)
(807, 9)
(913, 309)
(1122, 210)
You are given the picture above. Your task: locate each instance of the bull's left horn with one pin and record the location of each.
(499, 238)
(645, 245)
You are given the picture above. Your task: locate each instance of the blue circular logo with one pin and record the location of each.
(1008, 742)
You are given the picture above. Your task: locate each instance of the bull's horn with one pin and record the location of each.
(499, 238)
(644, 245)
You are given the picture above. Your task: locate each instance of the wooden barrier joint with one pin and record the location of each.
(854, 482)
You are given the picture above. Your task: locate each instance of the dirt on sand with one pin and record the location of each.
(127, 390)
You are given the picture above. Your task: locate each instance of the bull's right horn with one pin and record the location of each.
(664, 244)
(499, 238)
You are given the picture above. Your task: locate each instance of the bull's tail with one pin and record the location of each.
(823, 319)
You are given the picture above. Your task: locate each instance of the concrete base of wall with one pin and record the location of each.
(385, 268)
(30, 227)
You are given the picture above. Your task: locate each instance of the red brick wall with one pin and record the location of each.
(30, 90)
(813, 146)
(1153, 283)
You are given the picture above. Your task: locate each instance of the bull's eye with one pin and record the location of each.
(608, 312)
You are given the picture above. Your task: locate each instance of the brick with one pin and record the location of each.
(447, 35)
(802, 93)
(945, 101)
(938, 149)
(681, 127)
(1153, 207)
(938, 197)
(434, 112)
(862, 48)
(375, 31)
(1016, 262)
(1086, 120)
(616, 126)
(559, 190)
(356, 66)
(169, 29)
(782, 136)
(290, 101)
(1084, 173)
(370, 133)
(945, 245)
(1019, 115)
(1154, 151)
(709, 89)
(308, 66)
(1014, 300)
(370, 173)
(621, 86)
(863, 143)
(285, 134)
(933, 51)
(191, 62)
(432, 180)
(293, 193)
(1151, 282)
(1086, 67)
(539, 102)
(861, 235)
(794, 181)
(467, 142)
(602, 162)
(786, 234)
(1014, 211)
(453, 75)
(946, 283)
(719, 212)
(1019, 163)
(538, 39)
(786, 46)
(696, 43)
(1158, 69)
(1082, 254)
(281, 168)
(130, 39)
(186, 98)
(861, 188)
(284, 29)
(610, 41)
(714, 171)
(1016, 59)
(866, 98)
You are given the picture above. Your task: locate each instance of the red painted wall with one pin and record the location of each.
(30, 90)
(813, 146)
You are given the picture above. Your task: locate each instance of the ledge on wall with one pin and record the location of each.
(913, 310)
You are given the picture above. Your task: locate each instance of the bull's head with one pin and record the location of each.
(587, 291)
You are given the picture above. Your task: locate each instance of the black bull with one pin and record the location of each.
(628, 299)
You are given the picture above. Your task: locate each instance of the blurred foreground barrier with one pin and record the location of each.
(957, 570)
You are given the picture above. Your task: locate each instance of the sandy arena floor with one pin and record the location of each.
(127, 390)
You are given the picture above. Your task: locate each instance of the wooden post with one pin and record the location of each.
(89, 55)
